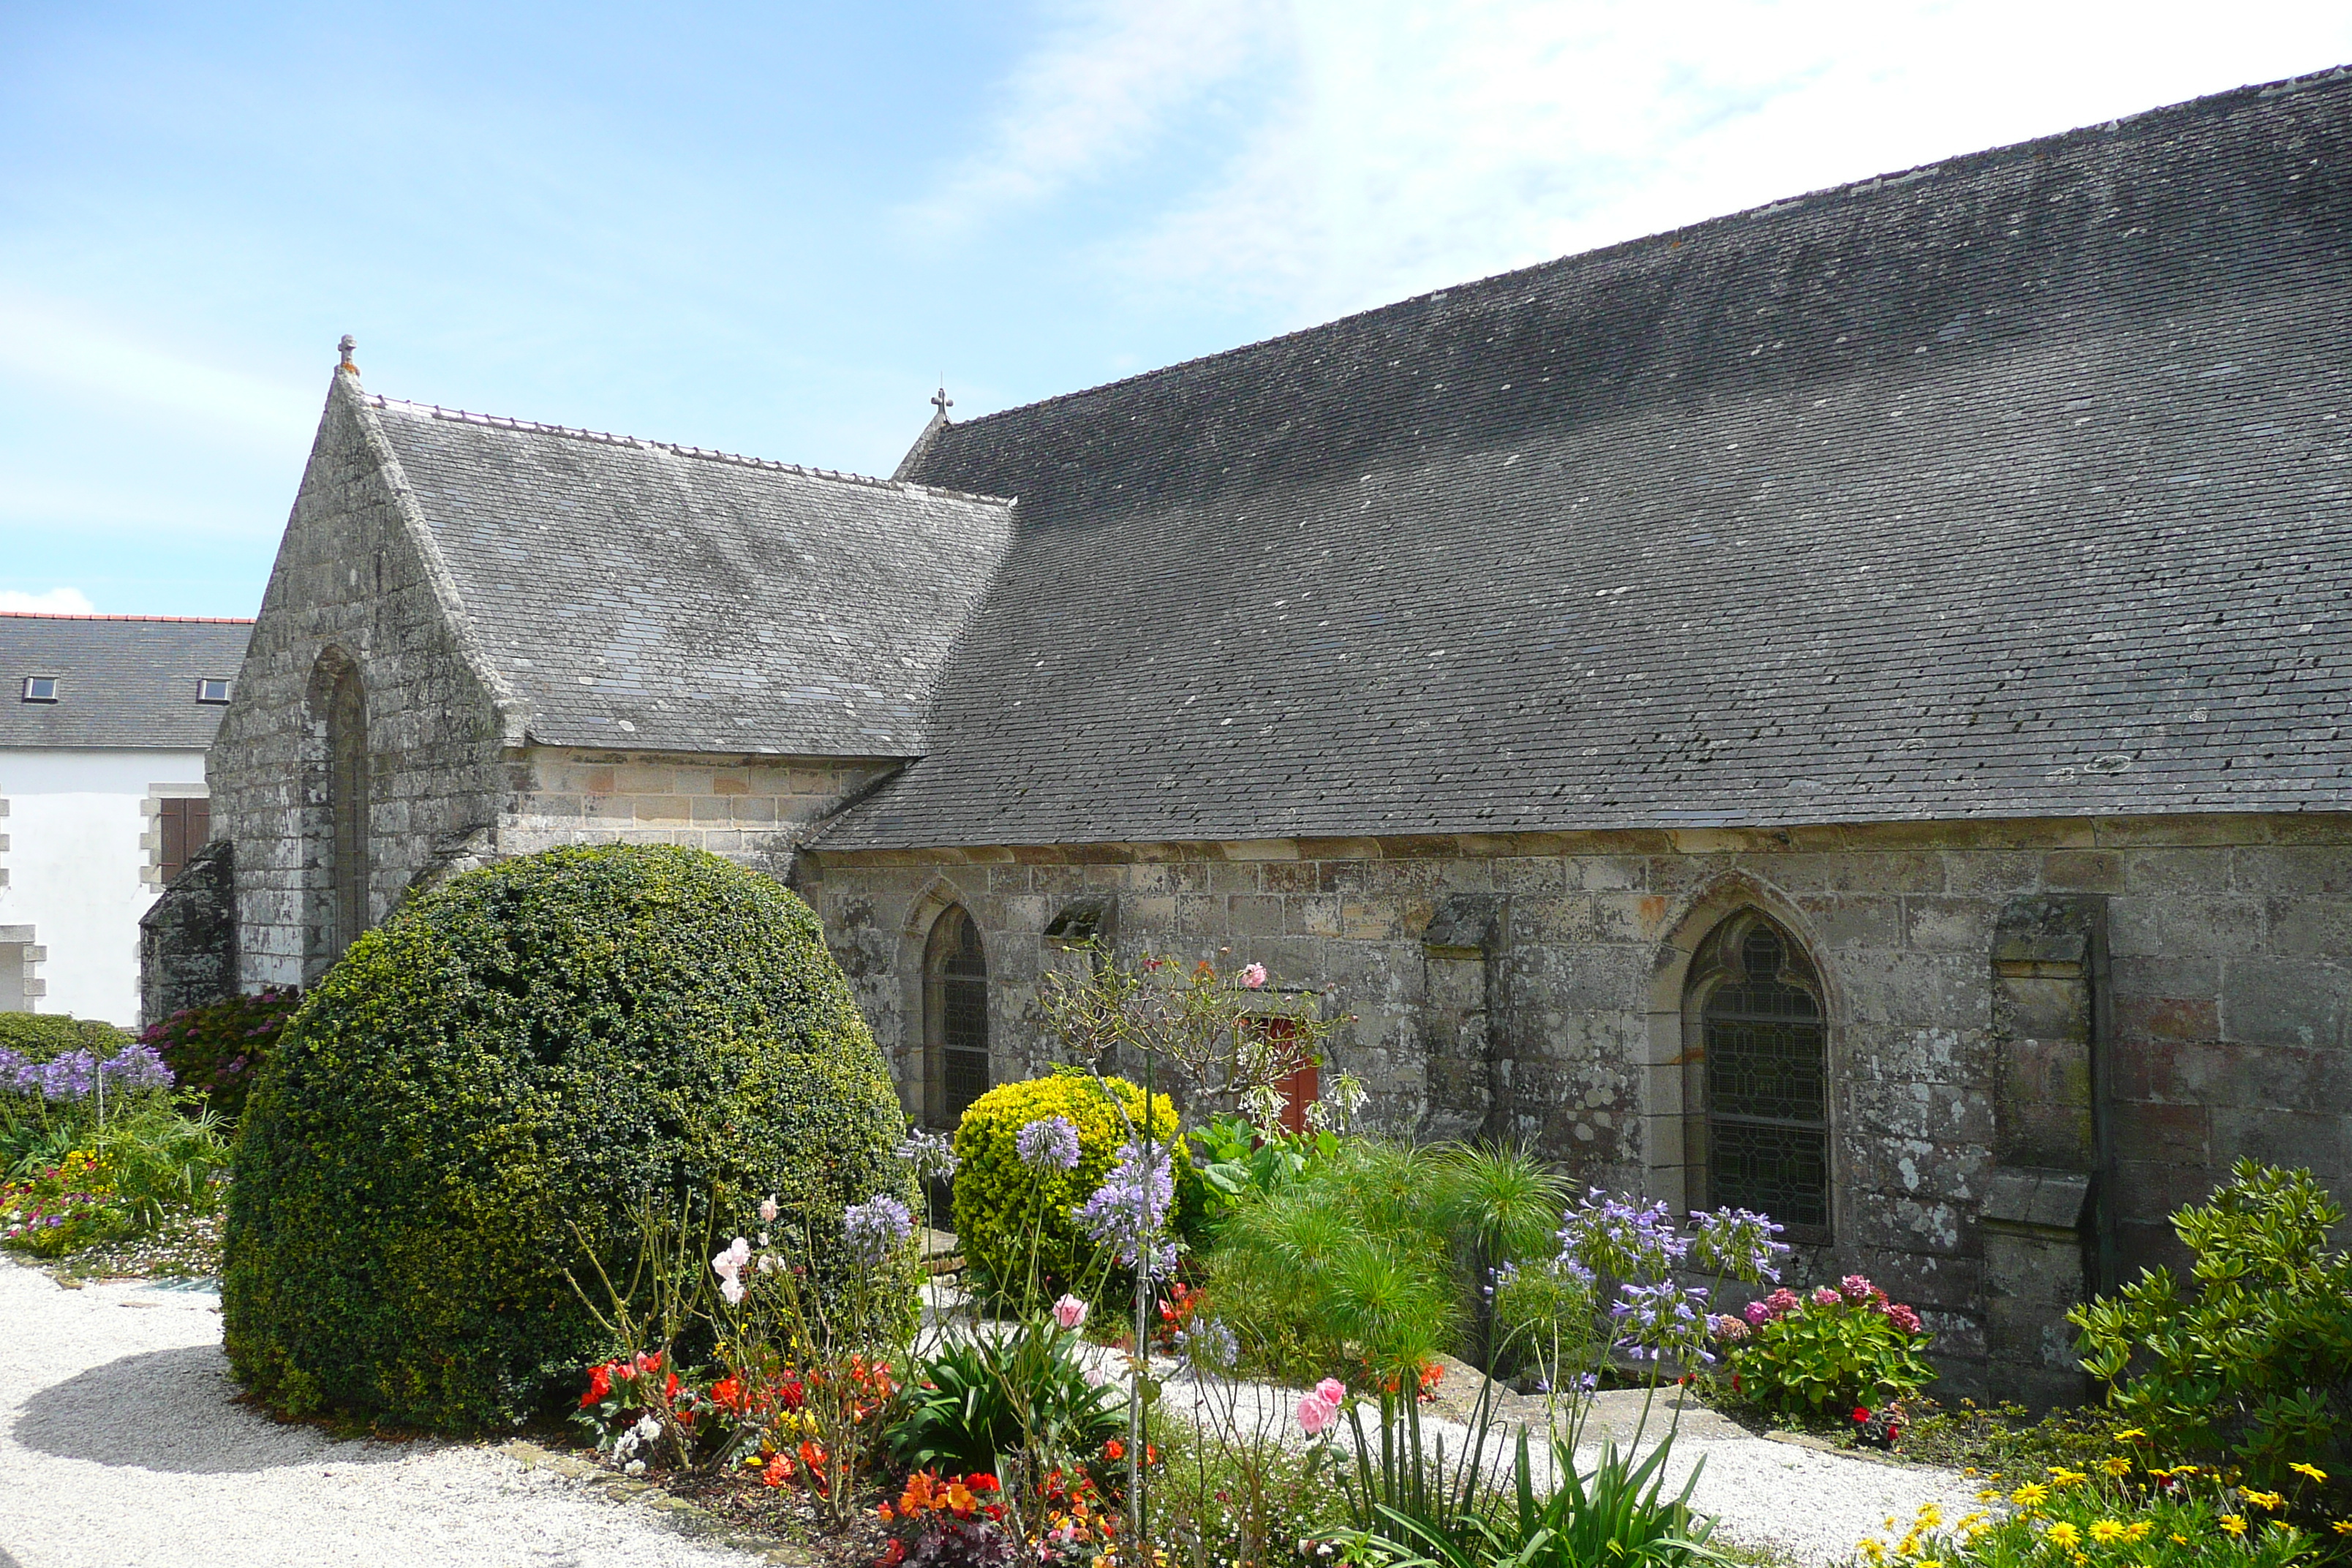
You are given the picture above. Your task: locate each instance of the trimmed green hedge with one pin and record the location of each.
(43, 1037)
(1012, 1219)
(542, 1042)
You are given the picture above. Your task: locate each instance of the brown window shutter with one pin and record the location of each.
(175, 815)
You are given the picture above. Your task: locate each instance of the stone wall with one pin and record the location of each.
(753, 810)
(188, 940)
(355, 573)
(1547, 1003)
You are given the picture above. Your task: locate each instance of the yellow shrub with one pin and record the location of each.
(1014, 1222)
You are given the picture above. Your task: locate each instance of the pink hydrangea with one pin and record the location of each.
(1902, 1317)
(1730, 1329)
(1757, 1314)
(1825, 1296)
(1856, 1288)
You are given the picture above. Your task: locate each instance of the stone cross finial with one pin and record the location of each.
(346, 346)
(942, 401)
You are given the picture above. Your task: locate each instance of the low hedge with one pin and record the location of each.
(43, 1037)
(1004, 1207)
(545, 1042)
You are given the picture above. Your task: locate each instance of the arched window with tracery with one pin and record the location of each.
(955, 1023)
(1756, 1005)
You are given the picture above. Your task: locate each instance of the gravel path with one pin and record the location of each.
(119, 1446)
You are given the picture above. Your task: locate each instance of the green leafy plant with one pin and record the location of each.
(1828, 1351)
(1015, 1218)
(549, 1040)
(2256, 1363)
(217, 1049)
(39, 1036)
(1025, 1393)
(2112, 1514)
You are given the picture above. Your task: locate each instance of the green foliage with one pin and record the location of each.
(980, 1398)
(1347, 1267)
(1220, 1498)
(217, 1049)
(1238, 1163)
(2007, 1438)
(1014, 1221)
(2256, 1364)
(146, 1167)
(1410, 1505)
(1823, 1357)
(548, 1041)
(38, 1037)
(1542, 1321)
(2108, 1515)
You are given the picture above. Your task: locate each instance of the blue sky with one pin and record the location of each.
(772, 228)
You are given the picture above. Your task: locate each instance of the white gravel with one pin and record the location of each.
(120, 1446)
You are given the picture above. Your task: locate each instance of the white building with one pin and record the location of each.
(103, 724)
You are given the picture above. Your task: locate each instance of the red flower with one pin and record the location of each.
(1114, 1451)
(669, 1389)
(599, 1384)
(892, 1554)
(1860, 1414)
(981, 1483)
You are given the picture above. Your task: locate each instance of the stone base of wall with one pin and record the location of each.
(188, 940)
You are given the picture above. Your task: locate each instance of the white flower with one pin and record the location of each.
(647, 1428)
(626, 1447)
(634, 1468)
(768, 1264)
(767, 1213)
(732, 1289)
(764, 1238)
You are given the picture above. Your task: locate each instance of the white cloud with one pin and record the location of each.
(63, 347)
(1101, 88)
(55, 601)
(1423, 144)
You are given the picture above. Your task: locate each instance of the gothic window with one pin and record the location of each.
(955, 1067)
(1765, 1044)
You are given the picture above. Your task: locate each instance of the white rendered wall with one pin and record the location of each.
(78, 835)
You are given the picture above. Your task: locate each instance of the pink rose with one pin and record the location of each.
(768, 1209)
(1331, 1391)
(1253, 976)
(1314, 1415)
(1069, 1311)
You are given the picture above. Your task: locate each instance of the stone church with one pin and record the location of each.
(1839, 709)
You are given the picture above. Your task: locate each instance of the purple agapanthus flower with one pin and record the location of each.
(1051, 1142)
(1737, 1244)
(1129, 1212)
(876, 1227)
(1605, 1234)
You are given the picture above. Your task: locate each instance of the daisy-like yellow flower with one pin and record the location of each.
(2341, 1527)
(2137, 1531)
(2313, 1471)
(2270, 1501)
(2281, 1524)
(2117, 1466)
(2032, 1494)
(2235, 1523)
(2129, 1433)
(2064, 1536)
(2066, 1478)
(1873, 1550)
(1931, 1516)
(2184, 1469)
(1988, 1494)
(2107, 1532)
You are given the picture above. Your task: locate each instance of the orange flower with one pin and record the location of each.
(960, 1498)
(917, 1498)
(779, 1471)
(1114, 1451)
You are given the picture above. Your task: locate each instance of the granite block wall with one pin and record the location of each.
(2226, 1001)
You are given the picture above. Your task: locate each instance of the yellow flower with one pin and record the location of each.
(1988, 1494)
(2107, 1532)
(2341, 1527)
(2281, 1524)
(2032, 1494)
(2178, 1539)
(1968, 1469)
(2129, 1433)
(2271, 1501)
(2313, 1471)
(2137, 1531)
(2064, 1477)
(2235, 1523)
(1873, 1550)
(2064, 1536)
(2118, 1465)
(1931, 1516)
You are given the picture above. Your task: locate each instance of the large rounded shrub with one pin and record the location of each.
(1016, 1222)
(542, 1044)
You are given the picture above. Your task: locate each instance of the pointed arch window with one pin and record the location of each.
(955, 1065)
(1765, 1045)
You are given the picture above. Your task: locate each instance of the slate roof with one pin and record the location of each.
(2019, 485)
(123, 681)
(660, 597)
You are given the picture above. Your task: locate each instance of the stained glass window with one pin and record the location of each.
(1766, 1084)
